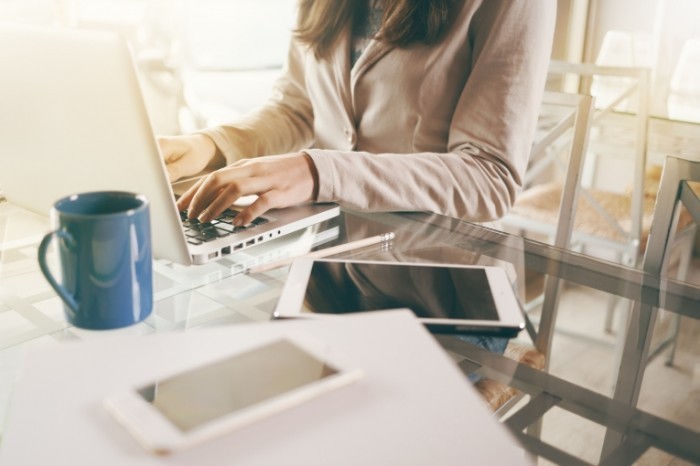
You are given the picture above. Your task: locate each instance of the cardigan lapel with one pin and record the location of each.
(341, 66)
(346, 78)
(373, 53)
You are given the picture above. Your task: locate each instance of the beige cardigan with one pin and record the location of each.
(444, 128)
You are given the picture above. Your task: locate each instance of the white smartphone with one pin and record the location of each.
(447, 298)
(200, 403)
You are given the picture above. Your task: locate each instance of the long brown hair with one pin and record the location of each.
(404, 22)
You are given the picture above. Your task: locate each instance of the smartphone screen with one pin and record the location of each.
(193, 398)
(439, 292)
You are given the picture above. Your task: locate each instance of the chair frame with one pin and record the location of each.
(629, 248)
(580, 122)
(577, 121)
(626, 251)
(674, 190)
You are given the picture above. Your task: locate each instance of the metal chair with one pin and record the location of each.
(569, 128)
(598, 223)
(674, 190)
(605, 221)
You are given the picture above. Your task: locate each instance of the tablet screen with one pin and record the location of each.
(439, 292)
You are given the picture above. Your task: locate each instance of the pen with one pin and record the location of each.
(361, 243)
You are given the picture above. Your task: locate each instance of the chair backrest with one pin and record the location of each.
(674, 191)
(563, 127)
(638, 79)
(581, 124)
(579, 121)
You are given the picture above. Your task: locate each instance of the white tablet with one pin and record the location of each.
(200, 403)
(448, 298)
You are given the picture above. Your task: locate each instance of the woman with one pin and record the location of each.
(388, 105)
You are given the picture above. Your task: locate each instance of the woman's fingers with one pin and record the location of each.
(279, 181)
(221, 189)
(269, 200)
(219, 201)
(185, 198)
(187, 155)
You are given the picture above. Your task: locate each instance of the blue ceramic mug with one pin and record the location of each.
(104, 247)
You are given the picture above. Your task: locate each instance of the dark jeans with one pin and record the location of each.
(493, 344)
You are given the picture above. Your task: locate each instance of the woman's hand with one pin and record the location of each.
(278, 180)
(189, 155)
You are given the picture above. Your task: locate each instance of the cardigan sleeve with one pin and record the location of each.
(490, 134)
(283, 124)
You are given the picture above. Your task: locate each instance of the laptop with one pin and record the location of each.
(73, 119)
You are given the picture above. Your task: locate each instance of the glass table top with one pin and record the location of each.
(224, 292)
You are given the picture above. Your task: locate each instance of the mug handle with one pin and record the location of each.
(62, 292)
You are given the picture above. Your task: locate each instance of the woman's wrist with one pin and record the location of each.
(314, 174)
(204, 144)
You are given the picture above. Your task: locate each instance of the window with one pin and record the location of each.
(202, 61)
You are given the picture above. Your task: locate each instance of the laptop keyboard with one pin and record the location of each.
(198, 232)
